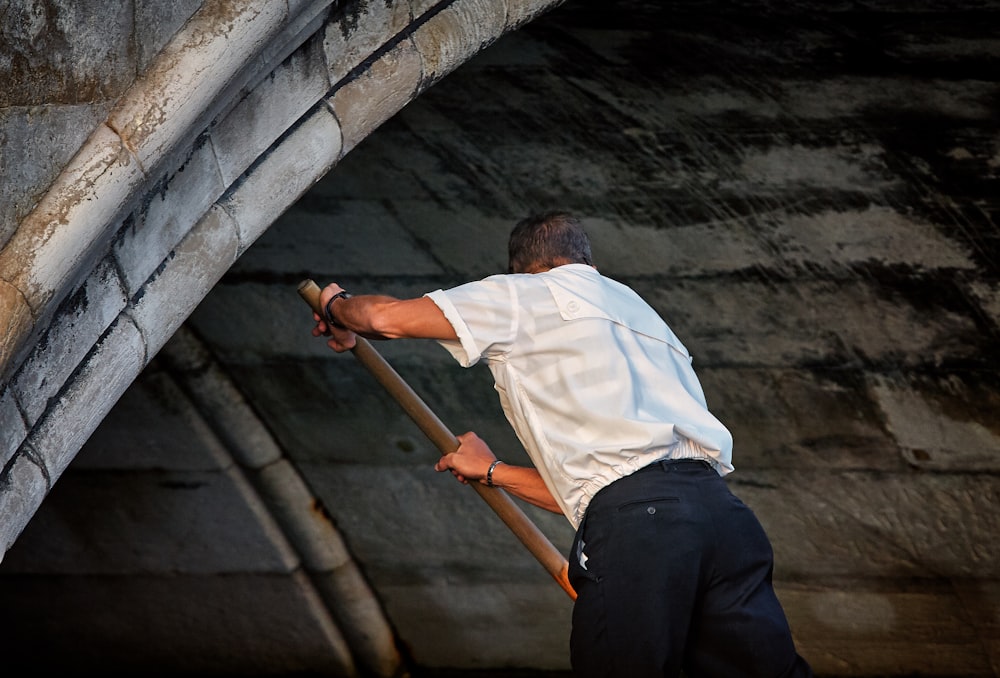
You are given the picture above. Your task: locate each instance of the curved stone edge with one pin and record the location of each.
(187, 76)
(445, 42)
(249, 452)
(442, 37)
(61, 432)
(62, 236)
(218, 51)
(146, 237)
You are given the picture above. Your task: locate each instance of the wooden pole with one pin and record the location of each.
(501, 503)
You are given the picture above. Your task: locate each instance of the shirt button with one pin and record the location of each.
(572, 307)
(650, 510)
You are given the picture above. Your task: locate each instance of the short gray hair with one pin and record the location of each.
(549, 239)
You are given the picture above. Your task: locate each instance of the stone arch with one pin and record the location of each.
(241, 112)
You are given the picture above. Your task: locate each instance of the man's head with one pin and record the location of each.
(544, 241)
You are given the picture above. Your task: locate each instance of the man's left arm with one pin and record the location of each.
(376, 316)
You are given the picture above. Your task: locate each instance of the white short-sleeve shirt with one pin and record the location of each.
(594, 383)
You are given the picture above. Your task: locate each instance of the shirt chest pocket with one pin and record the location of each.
(576, 307)
(608, 306)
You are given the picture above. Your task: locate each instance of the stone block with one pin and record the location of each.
(156, 23)
(106, 372)
(24, 483)
(413, 134)
(274, 315)
(78, 326)
(167, 214)
(420, 8)
(876, 524)
(131, 522)
(853, 166)
(198, 262)
(153, 426)
(69, 231)
(296, 7)
(18, 324)
(376, 94)
(830, 240)
(800, 419)
(477, 237)
(944, 423)
(28, 166)
(456, 33)
(633, 249)
(12, 428)
(176, 93)
(301, 516)
(336, 415)
(332, 238)
(981, 600)
(267, 112)
(987, 294)
(835, 240)
(263, 315)
(843, 323)
(359, 30)
(305, 22)
(334, 411)
(219, 401)
(284, 174)
(361, 619)
(871, 628)
(520, 12)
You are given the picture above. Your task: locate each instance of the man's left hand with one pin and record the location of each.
(341, 339)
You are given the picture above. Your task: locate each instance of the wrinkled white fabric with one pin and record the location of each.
(593, 381)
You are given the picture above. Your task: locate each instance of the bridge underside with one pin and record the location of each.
(807, 194)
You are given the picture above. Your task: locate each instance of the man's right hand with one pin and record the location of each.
(470, 461)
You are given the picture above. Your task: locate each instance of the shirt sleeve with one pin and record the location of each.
(484, 315)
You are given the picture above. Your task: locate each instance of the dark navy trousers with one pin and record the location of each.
(678, 576)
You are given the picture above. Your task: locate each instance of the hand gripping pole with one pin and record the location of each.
(501, 503)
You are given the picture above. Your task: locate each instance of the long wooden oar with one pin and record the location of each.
(501, 503)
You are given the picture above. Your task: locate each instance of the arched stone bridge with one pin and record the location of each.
(246, 107)
(243, 109)
(190, 485)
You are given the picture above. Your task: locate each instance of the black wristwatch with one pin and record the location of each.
(330, 318)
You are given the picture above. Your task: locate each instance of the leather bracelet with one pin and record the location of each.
(328, 310)
(489, 474)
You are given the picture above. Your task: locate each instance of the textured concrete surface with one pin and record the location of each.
(807, 193)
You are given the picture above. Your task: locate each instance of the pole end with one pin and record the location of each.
(310, 292)
(563, 579)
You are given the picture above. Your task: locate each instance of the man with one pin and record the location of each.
(670, 569)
